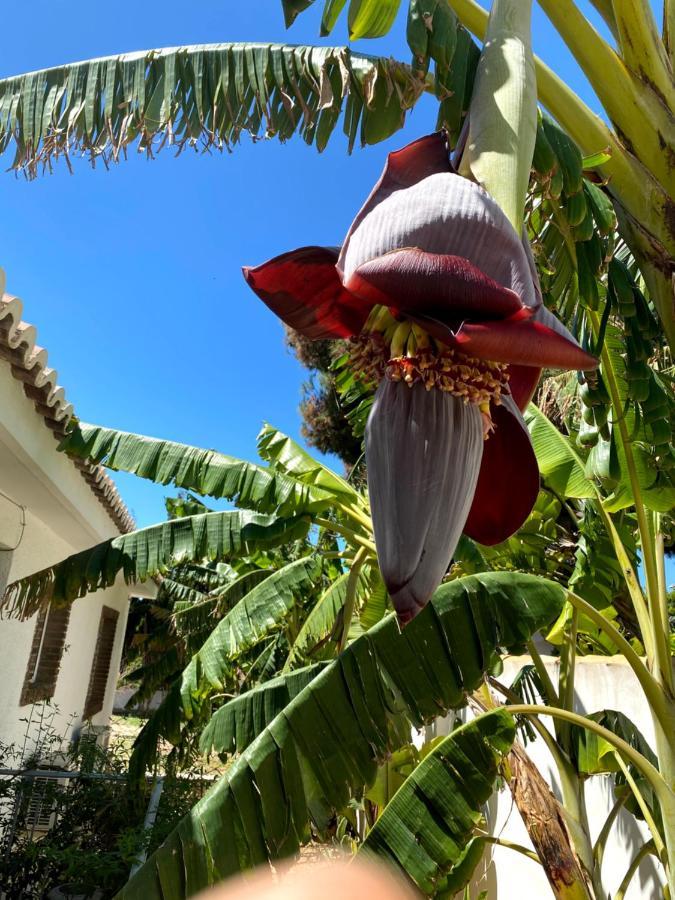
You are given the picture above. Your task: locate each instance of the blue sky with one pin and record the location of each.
(132, 276)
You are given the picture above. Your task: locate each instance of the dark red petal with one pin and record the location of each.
(426, 156)
(520, 341)
(303, 288)
(508, 482)
(420, 202)
(444, 287)
(523, 381)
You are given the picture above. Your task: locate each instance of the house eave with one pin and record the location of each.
(29, 365)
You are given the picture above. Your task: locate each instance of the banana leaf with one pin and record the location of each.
(324, 747)
(424, 830)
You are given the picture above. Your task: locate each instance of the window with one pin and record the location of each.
(42, 802)
(49, 639)
(100, 669)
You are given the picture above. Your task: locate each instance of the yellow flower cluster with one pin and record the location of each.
(475, 380)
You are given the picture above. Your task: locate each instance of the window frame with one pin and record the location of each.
(46, 654)
(101, 662)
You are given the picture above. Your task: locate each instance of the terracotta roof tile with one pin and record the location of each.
(29, 365)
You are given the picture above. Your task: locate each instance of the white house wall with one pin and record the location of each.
(48, 482)
(62, 516)
(600, 683)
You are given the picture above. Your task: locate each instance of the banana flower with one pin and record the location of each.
(440, 298)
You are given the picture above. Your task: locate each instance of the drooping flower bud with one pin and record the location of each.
(424, 450)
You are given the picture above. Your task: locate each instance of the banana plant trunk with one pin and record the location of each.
(544, 820)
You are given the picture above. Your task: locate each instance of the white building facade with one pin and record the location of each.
(601, 682)
(63, 662)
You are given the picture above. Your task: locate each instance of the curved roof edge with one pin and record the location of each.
(29, 365)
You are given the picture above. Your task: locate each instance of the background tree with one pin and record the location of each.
(325, 423)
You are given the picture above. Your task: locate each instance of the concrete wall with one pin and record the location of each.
(124, 693)
(601, 683)
(47, 512)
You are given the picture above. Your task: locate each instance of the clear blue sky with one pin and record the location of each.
(132, 276)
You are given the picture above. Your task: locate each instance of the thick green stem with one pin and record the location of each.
(604, 7)
(661, 789)
(564, 766)
(601, 842)
(646, 204)
(659, 551)
(641, 608)
(642, 803)
(568, 656)
(503, 110)
(637, 111)
(630, 182)
(356, 516)
(641, 47)
(631, 579)
(571, 787)
(350, 599)
(665, 736)
(661, 660)
(502, 842)
(658, 649)
(669, 30)
(346, 533)
(645, 850)
(665, 752)
(649, 684)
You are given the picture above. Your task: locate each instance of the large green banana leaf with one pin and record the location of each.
(246, 624)
(236, 725)
(425, 827)
(207, 472)
(366, 18)
(285, 455)
(153, 675)
(261, 611)
(178, 592)
(598, 576)
(190, 617)
(375, 606)
(433, 33)
(324, 747)
(151, 551)
(323, 616)
(594, 756)
(559, 463)
(657, 488)
(207, 578)
(184, 617)
(202, 96)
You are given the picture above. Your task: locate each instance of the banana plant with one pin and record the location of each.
(234, 726)
(320, 750)
(623, 402)
(471, 620)
(631, 72)
(309, 742)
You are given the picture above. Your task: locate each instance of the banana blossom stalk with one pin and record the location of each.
(440, 298)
